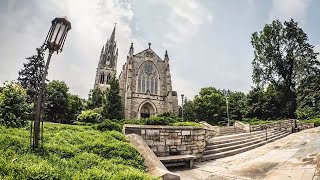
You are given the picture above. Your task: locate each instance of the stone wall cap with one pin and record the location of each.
(162, 127)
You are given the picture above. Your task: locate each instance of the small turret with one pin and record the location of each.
(131, 51)
(166, 57)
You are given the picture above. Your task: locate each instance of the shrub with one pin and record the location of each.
(316, 121)
(159, 121)
(108, 125)
(133, 121)
(13, 105)
(188, 123)
(89, 116)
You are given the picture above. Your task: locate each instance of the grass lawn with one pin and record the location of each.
(70, 152)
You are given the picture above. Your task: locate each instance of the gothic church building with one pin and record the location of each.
(145, 81)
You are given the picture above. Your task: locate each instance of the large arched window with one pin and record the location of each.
(148, 78)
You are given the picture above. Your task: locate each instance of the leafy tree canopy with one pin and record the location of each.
(31, 74)
(56, 100)
(13, 105)
(283, 57)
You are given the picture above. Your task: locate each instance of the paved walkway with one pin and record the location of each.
(296, 156)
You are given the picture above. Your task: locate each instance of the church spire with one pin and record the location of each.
(113, 35)
(166, 57)
(131, 49)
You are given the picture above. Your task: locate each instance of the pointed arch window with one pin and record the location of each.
(148, 78)
(101, 81)
(108, 78)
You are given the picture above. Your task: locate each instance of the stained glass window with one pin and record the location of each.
(147, 78)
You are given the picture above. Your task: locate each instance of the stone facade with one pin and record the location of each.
(171, 140)
(145, 81)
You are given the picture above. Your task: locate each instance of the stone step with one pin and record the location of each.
(231, 130)
(232, 138)
(237, 144)
(278, 137)
(232, 143)
(229, 133)
(243, 149)
(237, 131)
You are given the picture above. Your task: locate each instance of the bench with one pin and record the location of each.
(178, 160)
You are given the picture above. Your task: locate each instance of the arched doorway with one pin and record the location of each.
(147, 110)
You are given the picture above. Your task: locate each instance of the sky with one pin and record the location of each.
(208, 41)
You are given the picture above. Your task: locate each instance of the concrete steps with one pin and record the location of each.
(224, 146)
(230, 130)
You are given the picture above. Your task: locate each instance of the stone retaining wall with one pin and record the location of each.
(171, 140)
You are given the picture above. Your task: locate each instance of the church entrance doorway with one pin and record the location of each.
(147, 111)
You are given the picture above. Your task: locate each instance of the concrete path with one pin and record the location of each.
(296, 156)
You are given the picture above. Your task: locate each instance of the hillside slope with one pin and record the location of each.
(70, 152)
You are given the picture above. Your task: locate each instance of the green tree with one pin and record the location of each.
(97, 98)
(237, 105)
(283, 57)
(210, 105)
(31, 74)
(256, 104)
(13, 105)
(308, 96)
(189, 110)
(56, 101)
(75, 106)
(112, 109)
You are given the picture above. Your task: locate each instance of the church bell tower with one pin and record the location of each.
(107, 64)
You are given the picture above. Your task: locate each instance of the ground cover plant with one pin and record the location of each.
(70, 152)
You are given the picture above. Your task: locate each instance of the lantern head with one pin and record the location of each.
(57, 34)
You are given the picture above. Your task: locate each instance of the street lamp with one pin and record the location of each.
(182, 96)
(54, 42)
(227, 101)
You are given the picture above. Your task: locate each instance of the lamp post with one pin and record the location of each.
(54, 42)
(182, 96)
(227, 101)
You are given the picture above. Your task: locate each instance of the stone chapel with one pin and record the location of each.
(145, 80)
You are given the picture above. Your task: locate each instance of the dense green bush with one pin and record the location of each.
(305, 112)
(162, 120)
(70, 152)
(194, 124)
(316, 121)
(108, 125)
(89, 116)
(159, 121)
(256, 121)
(13, 105)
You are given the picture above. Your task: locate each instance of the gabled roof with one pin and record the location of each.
(150, 51)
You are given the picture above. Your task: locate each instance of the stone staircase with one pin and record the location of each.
(228, 130)
(228, 145)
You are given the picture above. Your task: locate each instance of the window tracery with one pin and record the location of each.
(148, 78)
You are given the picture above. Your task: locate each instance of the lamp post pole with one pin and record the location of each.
(39, 104)
(54, 42)
(182, 96)
(227, 101)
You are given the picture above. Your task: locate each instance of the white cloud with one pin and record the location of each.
(92, 23)
(286, 9)
(185, 19)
